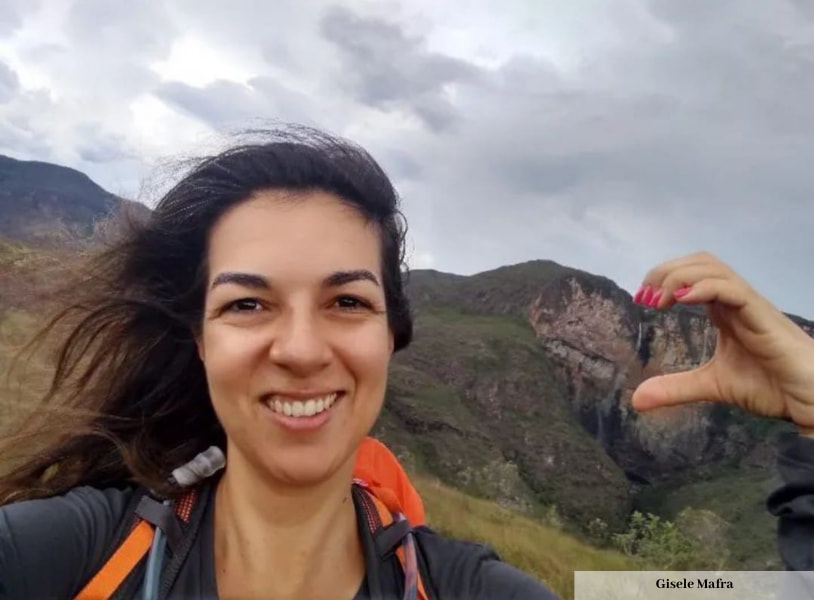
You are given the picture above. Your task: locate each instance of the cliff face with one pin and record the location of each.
(606, 346)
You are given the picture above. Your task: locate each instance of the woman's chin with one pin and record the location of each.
(304, 470)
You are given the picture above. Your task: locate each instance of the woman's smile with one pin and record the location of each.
(304, 414)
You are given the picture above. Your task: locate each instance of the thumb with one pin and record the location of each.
(697, 385)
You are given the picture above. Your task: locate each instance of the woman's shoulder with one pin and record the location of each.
(78, 511)
(460, 569)
(49, 545)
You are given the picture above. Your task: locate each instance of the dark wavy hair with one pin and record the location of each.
(128, 401)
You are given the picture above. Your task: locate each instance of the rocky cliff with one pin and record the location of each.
(606, 346)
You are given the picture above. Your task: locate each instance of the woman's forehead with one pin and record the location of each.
(314, 233)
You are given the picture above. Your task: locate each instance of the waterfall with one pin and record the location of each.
(704, 346)
(639, 339)
(605, 407)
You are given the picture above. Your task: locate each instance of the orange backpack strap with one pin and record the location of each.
(130, 553)
(120, 565)
(381, 472)
(406, 551)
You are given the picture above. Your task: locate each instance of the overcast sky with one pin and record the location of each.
(606, 135)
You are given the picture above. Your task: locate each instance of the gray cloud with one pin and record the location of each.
(9, 83)
(384, 67)
(703, 142)
(110, 49)
(21, 139)
(133, 30)
(10, 16)
(100, 146)
(804, 7)
(228, 105)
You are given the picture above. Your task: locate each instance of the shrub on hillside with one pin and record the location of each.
(696, 541)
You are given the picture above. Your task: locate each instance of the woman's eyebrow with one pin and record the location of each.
(258, 282)
(249, 280)
(344, 277)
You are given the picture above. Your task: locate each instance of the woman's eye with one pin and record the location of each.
(351, 303)
(243, 305)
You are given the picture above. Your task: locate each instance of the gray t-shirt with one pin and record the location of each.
(50, 548)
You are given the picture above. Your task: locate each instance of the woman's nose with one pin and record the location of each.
(299, 343)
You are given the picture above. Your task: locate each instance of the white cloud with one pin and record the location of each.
(194, 61)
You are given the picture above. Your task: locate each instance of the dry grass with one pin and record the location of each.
(541, 550)
(29, 378)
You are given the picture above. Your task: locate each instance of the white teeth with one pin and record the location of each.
(310, 408)
(297, 408)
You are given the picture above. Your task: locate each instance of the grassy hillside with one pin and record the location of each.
(536, 548)
(739, 497)
(475, 402)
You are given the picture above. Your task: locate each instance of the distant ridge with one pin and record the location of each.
(39, 200)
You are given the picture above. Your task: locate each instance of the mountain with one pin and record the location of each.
(42, 201)
(528, 370)
(517, 387)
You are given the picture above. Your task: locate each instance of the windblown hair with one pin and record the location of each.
(128, 401)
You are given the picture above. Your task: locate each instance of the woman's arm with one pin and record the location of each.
(763, 363)
(49, 548)
(460, 569)
(793, 502)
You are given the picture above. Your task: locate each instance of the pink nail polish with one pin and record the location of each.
(680, 292)
(648, 295)
(638, 297)
(656, 298)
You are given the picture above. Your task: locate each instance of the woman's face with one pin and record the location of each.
(295, 338)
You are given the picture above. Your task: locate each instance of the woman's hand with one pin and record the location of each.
(763, 362)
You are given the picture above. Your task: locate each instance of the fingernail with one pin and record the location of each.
(656, 298)
(648, 296)
(638, 297)
(682, 292)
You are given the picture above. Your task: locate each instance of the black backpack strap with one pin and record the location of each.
(189, 529)
(368, 519)
(380, 542)
(389, 538)
(162, 516)
(182, 532)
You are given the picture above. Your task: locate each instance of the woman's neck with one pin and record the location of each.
(277, 541)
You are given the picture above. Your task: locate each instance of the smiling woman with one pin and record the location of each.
(249, 324)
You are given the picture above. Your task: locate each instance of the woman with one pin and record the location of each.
(255, 311)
